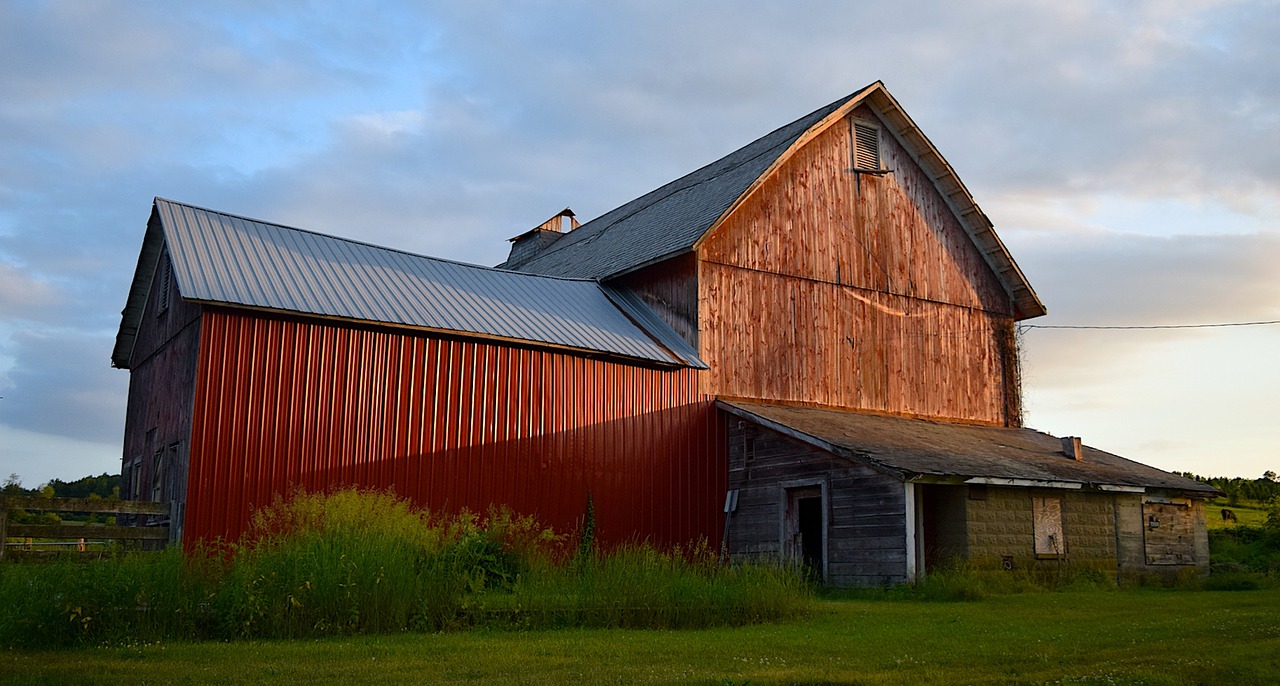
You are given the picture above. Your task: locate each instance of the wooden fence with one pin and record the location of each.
(83, 532)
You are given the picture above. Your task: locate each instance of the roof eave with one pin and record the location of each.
(673, 361)
(810, 439)
(139, 291)
(961, 202)
(948, 184)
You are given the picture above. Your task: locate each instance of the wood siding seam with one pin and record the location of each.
(838, 283)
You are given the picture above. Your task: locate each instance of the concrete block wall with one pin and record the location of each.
(1002, 526)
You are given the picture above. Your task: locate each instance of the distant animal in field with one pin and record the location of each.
(1229, 516)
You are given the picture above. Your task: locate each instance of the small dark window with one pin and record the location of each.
(866, 147)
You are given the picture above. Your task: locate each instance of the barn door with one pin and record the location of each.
(804, 528)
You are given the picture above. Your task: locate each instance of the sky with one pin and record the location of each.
(1128, 154)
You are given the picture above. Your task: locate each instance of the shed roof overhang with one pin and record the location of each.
(931, 451)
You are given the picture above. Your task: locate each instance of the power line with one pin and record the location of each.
(1158, 326)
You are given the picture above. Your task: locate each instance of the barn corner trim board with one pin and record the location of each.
(833, 343)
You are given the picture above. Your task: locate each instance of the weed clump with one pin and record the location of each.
(360, 562)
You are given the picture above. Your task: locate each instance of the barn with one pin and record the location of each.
(807, 346)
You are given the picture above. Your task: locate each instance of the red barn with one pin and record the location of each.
(819, 325)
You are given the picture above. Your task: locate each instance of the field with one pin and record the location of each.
(1247, 513)
(1136, 636)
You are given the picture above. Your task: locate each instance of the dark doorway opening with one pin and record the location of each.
(942, 525)
(806, 540)
(810, 522)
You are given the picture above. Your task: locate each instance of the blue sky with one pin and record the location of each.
(1126, 153)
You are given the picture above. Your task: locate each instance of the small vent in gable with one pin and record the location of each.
(866, 147)
(166, 278)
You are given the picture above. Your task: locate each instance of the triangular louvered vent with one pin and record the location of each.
(866, 147)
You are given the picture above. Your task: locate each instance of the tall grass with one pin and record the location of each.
(125, 597)
(356, 562)
(638, 586)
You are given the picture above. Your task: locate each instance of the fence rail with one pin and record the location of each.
(144, 532)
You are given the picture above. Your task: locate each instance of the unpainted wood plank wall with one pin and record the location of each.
(670, 288)
(855, 291)
(161, 389)
(866, 534)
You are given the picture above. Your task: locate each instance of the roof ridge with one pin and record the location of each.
(367, 244)
(675, 186)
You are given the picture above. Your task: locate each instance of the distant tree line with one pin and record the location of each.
(1265, 489)
(105, 486)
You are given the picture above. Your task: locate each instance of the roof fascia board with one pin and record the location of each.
(1031, 483)
(813, 132)
(959, 200)
(1116, 488)
(811, 440)
(139, 291)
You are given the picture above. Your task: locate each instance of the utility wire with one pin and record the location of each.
(1161, 326)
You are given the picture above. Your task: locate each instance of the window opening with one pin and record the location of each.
(1048, 526)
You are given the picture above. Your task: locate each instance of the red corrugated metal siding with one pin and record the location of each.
(291, 402)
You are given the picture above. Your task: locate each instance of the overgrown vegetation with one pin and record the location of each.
(360, 562)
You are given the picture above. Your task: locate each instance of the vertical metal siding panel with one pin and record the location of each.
(451, 424)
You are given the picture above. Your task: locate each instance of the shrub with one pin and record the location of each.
(367, 562)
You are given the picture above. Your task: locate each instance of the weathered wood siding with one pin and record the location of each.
(287, 402)
(161, 394)
(856, 291)
(1178, 543)
(670, 288)
(866, 521)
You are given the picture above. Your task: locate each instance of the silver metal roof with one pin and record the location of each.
(225, 259)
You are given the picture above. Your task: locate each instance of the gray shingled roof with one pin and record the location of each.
(225, 259)
(926, 448)
(671, 219)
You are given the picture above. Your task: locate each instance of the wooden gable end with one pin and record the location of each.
(855, 290)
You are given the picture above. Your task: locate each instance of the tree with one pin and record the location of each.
(1269, 475)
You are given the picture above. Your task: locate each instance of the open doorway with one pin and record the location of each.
(942, 524)
(804, 532)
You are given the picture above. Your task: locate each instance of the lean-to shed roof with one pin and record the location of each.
(224, 259)
(676, 217)
(929, 450)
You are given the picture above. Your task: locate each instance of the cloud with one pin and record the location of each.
(1123, 150)
(21, 295)
(61, 384)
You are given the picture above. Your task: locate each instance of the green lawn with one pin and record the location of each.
(1129, 637)
(1247, 513)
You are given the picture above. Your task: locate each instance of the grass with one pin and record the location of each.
(359, 562)
(1248, 513)
(1136, 636)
